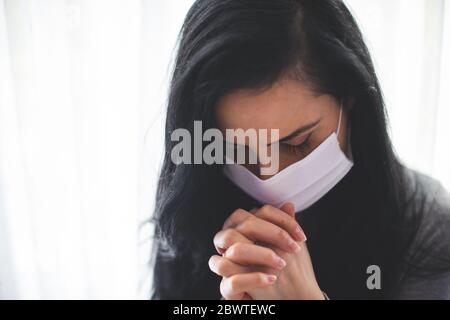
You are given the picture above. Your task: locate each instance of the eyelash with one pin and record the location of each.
(302, 147)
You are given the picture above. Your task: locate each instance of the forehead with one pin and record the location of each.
(286, 106)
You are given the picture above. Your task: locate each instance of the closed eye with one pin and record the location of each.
(301, 148)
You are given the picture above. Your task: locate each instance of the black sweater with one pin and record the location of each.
(342, 251)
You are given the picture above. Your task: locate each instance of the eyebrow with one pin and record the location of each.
(298, 132)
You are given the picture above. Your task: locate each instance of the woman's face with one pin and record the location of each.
(304, 120)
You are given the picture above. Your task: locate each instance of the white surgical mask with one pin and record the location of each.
(302, 183)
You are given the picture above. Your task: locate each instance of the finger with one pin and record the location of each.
(251, 254)
(238, 296)
(225, 267)
(289, 208)
(238, 216)
(226, 238)
(236, 286)
(247, 297)
(256, 229)
(282, 220)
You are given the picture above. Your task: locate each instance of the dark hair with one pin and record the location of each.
(227, 45)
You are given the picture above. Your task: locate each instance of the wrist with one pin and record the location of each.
(318, 294)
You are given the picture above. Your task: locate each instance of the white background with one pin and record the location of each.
(83, 85)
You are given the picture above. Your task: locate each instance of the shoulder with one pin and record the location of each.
(425, 267)
(423, 189)
(427, 206)
(427, 212)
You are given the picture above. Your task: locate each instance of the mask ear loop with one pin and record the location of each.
(340, 118)
(350, 156)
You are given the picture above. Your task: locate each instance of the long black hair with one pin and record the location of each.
(227, 45)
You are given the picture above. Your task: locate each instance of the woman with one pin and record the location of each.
(370, 229)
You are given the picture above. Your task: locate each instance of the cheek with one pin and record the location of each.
(343, 136)
(287, 158)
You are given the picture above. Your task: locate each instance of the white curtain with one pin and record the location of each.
(410, 43)
(82, 90)
(79, 89)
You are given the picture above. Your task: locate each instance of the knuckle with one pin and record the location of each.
(235, 250)
(233, 217)
(237, 213)
(282, 235)
(233, 283)
(266, 209)
(222, 268)
(293, 221)
(285, 222)
(248, 226)
(292, 224)
(260, 278)
(228, 237)
(270, 256)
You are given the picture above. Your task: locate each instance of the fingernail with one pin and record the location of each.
(271, 278)
(300, 233)
(281, 263)
(294, 246)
